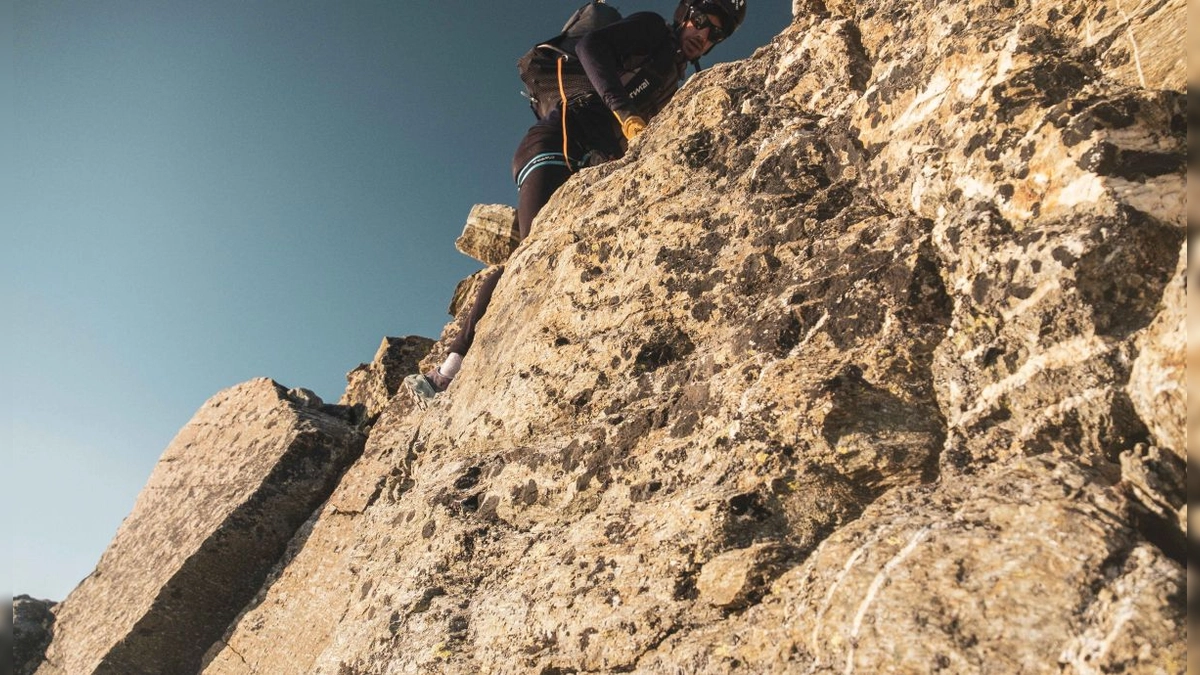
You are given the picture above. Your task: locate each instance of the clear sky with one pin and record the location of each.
(198, 193)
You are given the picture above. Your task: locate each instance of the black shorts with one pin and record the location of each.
(593, 137)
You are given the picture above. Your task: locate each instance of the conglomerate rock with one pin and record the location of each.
(861, 360)
(226, 496)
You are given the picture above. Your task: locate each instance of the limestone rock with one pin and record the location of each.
(463, 296)
(839, 373)
(490, 234)
(1156, 479)
(301, 605)
(739, 577)
(373, 384)
(460, 304)
(1123, 624)
(1140, 43)
(225, 498)
(32, 628)
(1158, 383)
(989, 575)
(305, 397)
(815, 390)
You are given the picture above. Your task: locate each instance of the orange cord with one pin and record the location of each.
(563, 93)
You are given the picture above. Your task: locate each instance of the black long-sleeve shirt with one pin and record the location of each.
(634, 64)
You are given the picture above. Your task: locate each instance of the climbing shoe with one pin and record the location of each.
(425, 387)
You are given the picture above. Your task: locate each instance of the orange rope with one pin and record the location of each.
(563, 93)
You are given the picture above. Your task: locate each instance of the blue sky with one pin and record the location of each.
(199, 193)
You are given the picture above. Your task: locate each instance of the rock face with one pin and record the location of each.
(837, 376)
(1157, 385)
(226, 497)
(372, 385)
(863, 359)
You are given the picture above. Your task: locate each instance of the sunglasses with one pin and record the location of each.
(701, 20)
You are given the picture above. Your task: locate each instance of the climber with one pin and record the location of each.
(635, 66)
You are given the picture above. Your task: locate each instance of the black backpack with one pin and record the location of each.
(540, 67)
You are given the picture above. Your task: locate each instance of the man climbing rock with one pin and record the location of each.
(634, 66)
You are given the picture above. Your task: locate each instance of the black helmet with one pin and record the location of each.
(731, 12)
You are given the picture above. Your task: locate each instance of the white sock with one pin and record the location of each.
(451, 365)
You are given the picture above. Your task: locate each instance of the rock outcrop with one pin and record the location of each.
(31, 630)
(866, 358)
(372, 385)
(490, 235)
(225, 499)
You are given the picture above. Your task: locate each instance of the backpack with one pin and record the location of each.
(539, 67)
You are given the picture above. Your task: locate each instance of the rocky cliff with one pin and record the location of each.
(868, 357)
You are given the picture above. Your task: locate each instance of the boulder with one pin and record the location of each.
(490, 234)
(227, 495)
(738, 578)
(1018, 569)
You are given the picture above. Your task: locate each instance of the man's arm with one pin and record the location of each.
(602, 51)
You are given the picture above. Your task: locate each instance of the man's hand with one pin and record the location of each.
(631, 125)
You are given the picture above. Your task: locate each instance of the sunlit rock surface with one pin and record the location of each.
(864, 359)
(221, 505)
(372, 385)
